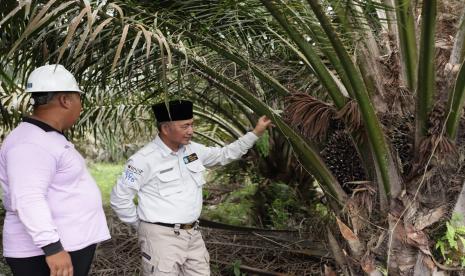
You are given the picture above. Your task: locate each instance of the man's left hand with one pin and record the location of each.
(262, 124)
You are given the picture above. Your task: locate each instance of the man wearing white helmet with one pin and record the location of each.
(54, 216)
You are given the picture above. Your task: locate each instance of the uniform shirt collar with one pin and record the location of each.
(45, 127)
(165, 150)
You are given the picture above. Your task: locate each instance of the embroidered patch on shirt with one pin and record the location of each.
(131, 174)
(167, 170)
(135, 170)
(190, 158)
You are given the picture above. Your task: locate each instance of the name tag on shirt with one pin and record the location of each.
(190, 158)
(167, 170)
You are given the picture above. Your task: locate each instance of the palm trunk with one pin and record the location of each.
(391, 19)
(408, 48)
(455, 104)
(458, 51)
(426, 73)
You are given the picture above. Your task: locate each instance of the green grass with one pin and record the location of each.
(236, 209)
(105, 174)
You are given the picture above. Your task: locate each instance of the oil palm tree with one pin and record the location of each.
(347, 84)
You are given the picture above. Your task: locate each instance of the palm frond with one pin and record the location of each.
(309, 115)
(351, 116)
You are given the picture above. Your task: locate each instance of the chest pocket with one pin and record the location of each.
(169, 180)
(196, 170)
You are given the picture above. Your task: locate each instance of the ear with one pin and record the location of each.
(165, 128)
(64, 100)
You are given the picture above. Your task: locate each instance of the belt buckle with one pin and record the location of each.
(177, 226)
(188, 226)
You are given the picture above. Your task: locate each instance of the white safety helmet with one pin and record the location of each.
(51, 78)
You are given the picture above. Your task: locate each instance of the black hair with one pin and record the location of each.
(41, 98)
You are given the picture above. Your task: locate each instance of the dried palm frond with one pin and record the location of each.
(98, 30)
(90, 21)
(310, 115)
(148, 40)
(13, 12)
(120, 47)
(360, 206)
(401, 101)
(351, 116)
(442, 145)
(37, 21)
(133, 47)
(118, 8)
(435, 140)
(436, 119)
(72, 29)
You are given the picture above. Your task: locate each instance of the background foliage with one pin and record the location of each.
(366, 96)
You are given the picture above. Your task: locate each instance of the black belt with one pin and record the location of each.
(185, 226)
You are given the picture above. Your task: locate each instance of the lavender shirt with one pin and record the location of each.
(48, 193)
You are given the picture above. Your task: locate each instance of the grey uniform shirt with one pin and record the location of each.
(169, 184)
